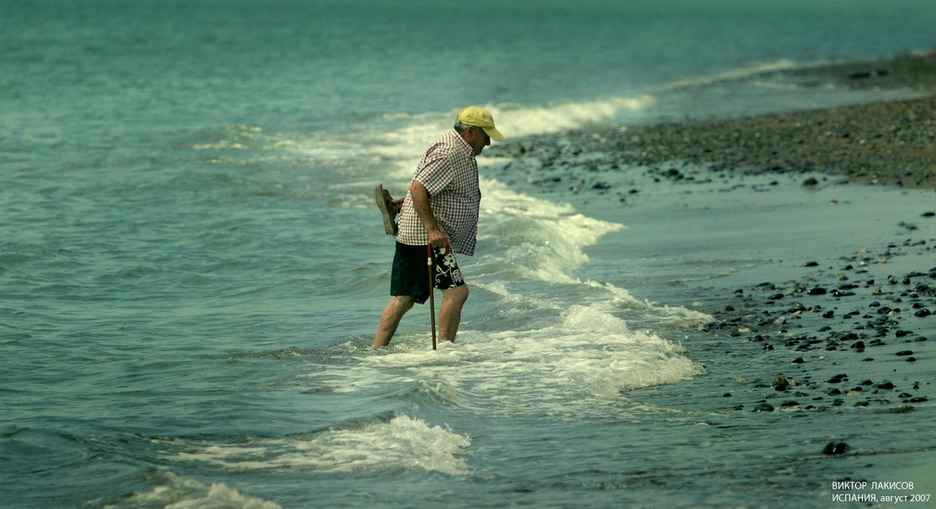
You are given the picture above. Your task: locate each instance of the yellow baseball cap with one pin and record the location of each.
(480, 117)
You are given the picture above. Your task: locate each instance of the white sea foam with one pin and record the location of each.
(586, 358)
(731, 74)
(401, 139)
(619, 298)
(569, 362)
(543, 240)
(377, 448)
(523, 121)
(178, 492)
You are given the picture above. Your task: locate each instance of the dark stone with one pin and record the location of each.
(713, 326)
(902, 409)
(835, 448)
(764, 407)
(817, 291)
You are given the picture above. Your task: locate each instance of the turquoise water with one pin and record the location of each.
(192, 268)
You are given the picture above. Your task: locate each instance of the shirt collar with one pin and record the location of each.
(464, 144)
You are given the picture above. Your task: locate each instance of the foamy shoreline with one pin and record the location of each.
(854, 329)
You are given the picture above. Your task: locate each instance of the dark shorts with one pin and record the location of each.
(410, 274)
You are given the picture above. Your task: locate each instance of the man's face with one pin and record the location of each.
(478, 139)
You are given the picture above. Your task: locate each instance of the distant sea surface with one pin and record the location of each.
(192, 268)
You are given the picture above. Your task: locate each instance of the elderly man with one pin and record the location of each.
(440, 209)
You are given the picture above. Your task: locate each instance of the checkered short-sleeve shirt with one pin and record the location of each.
(449, 172)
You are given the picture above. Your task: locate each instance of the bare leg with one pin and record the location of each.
(390, 319)
(450, 312)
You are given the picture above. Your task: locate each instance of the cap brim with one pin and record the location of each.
(493, 133)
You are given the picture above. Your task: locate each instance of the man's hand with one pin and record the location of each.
(395, 205)
(438, 238)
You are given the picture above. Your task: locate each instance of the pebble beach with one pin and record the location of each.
(890, 143)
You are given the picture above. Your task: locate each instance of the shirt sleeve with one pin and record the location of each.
(435, 172)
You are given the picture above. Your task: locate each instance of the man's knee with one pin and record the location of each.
(458, 294)
(405, 301)
(401, 303)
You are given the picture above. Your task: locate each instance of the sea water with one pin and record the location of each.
(192, 268)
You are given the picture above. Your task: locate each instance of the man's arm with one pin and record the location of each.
(421, 203)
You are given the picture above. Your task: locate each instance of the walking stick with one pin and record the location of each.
(431, 296)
